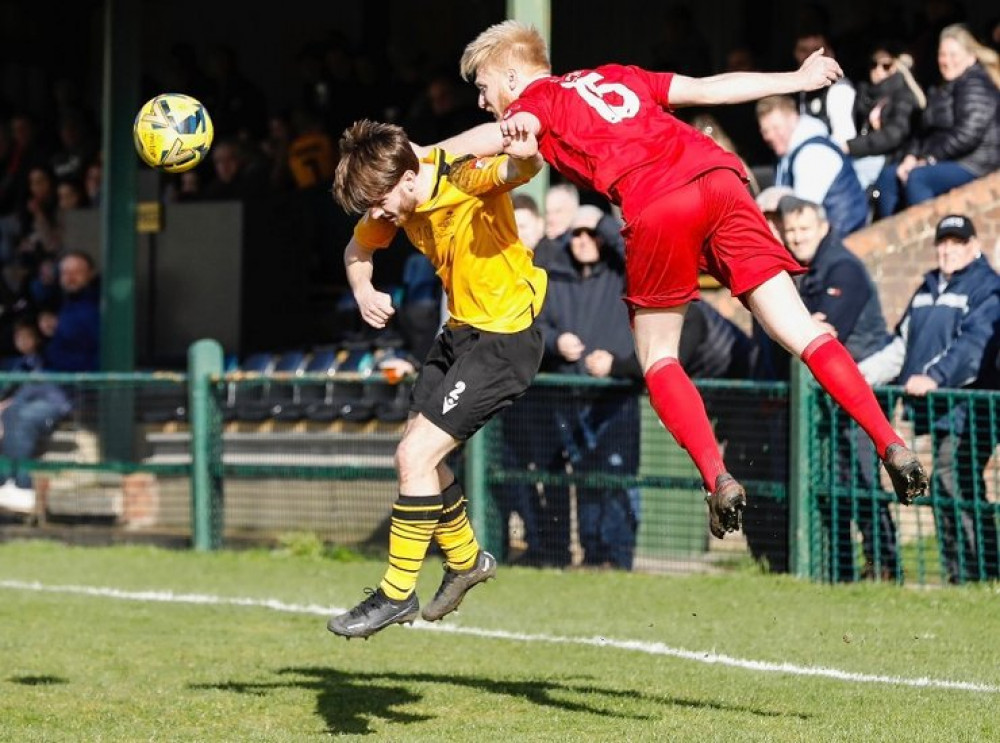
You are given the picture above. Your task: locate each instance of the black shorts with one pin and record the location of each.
(470, 375)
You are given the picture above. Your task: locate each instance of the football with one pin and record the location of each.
(172, 132)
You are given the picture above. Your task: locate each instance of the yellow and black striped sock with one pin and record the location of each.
(414, 519)
(454, 533)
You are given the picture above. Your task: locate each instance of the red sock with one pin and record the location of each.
(836, 371)
(678, 404)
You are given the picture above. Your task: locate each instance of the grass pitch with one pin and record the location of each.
(524, 660)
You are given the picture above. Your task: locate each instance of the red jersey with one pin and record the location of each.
(606, 129)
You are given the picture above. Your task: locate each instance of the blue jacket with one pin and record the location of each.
(845, 202)
(944, 334)
(75, 347)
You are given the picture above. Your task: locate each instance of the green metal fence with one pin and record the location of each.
(213, 459)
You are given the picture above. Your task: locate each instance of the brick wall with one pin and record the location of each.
(899, 250)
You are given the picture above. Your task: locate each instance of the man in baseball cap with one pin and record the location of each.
(956, 226)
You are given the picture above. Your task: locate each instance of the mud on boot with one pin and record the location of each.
(725, 506)
(906, 473)
(456, 584)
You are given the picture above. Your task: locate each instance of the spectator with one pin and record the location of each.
(812, 163)
(92, 178)
(35, 409)
(530, 224)
(885, 113)
(711, 128)
(561, 202)
(839, 291)
(960, 134)
(234, 181)
(586, 329)
(77, 146)
(445, 108)
(831, 105)
(940, 344)
(312, 155)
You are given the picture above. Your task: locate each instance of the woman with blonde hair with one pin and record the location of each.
(960, 131)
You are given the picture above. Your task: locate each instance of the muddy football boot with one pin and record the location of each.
(725, 506)
(456, 584)
(908, 477)
(376, 612)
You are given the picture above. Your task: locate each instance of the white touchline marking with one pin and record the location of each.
(640, 646)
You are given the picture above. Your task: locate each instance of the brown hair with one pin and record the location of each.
(776, 103)
(373, 159)
(504, 44)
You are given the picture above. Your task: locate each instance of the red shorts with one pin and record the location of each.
(709, 225)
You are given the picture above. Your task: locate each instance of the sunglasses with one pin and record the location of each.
(583, 230)
(883, 65)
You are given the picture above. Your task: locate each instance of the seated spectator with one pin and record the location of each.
(885, 112)
(812, 163)
(940, 344)
(36, 409)
(711, 128)
(561, 202)
(959, 139)
(530, 224)
(77, 146)
(839, 292)
(234, 181)
(831, 105)
(312, 155)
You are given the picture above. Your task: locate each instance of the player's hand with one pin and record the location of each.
(598, 363)
(819, 71)
(376, 307)
(519, 132)
(919, 385)
(570, 346)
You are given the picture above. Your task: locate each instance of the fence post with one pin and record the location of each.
(204, 360)
(799, 470)
(476, 490)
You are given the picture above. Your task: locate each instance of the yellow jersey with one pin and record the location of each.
(467, 231)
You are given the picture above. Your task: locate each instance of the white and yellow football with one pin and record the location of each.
(172, 132)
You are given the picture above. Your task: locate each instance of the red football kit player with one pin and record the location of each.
(685, 207)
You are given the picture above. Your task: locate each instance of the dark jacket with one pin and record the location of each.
(838, 285)
(946, 332)
(960, 123)
(899, 116)
(713, 347)
(591, 308)
(75, 347)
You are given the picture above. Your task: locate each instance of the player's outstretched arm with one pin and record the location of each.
(375, 306)
(818, 71)
(481, 141)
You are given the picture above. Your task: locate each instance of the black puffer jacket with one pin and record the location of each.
(960, 123)
(900, 114)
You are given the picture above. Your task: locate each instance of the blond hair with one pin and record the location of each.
(505, 44)
(373, 159)
(987, 57)
(776, 103)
